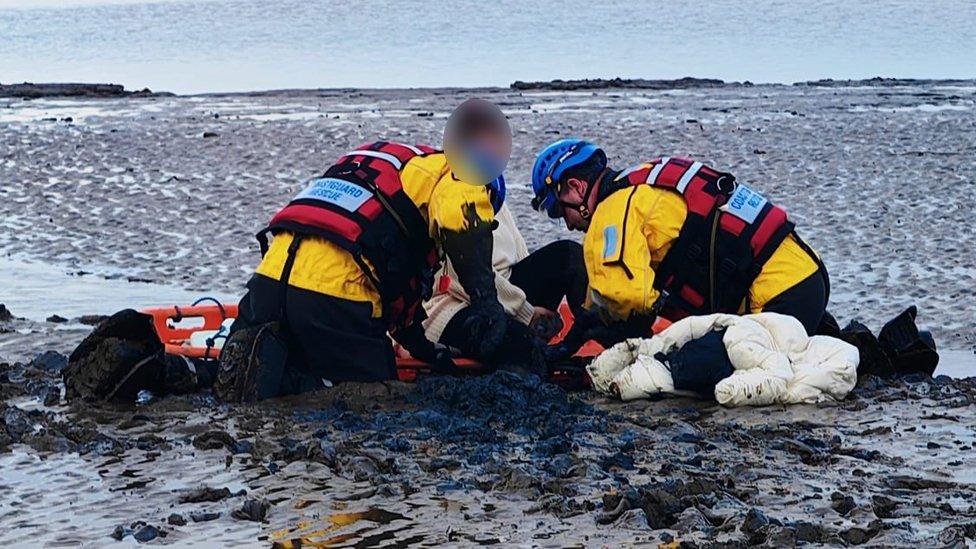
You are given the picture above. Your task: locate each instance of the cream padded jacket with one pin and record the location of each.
(775, 362)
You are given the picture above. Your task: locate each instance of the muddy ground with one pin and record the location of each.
(879, 179)
(498, 459)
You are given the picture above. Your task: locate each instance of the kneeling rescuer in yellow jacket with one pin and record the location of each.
(673, 237)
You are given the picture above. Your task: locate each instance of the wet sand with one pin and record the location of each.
(877, 178)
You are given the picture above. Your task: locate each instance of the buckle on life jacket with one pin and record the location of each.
(727, 267)
(660, 303)
(726, 184)
(262, 238)
(694, 251)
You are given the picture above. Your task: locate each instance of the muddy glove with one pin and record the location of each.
(577, 335)
(438, 356)
(637, 325)
(589, 326)
(470, 255)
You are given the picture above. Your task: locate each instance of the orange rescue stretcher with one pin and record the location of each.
(197, 331)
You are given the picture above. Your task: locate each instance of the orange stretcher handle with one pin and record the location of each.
(174, 338)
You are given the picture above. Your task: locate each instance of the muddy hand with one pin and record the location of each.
(487, 326)
(545, 323)
(443, 361)
(581, 331)
(413, 339)
(558, 352)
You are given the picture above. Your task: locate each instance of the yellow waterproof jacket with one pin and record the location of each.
(654, 219)
(323, 267)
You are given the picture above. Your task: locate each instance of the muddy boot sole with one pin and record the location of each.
(252, 365)
(115, 370)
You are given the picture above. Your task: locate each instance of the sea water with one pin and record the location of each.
(236, 45)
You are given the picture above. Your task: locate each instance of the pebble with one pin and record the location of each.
(146, 533)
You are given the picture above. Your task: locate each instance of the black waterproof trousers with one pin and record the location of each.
(328, 338)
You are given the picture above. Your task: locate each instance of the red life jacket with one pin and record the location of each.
(729, 234)
(359, 204)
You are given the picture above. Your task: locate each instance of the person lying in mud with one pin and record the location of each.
(529, 286)
(751, 360)
(673, 238)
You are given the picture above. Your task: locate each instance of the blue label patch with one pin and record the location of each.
(610, 240)
(344, 194)
(745, 203)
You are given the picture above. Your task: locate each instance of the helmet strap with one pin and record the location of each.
(583, 208)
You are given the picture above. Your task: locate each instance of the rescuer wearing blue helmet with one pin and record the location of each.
(673, 237)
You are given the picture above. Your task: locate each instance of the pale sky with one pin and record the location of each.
(70, 3)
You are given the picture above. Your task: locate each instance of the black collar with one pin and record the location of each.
(608, 185)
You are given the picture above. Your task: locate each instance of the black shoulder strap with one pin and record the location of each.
(262, 238)
(685, 256)
(621, 262)
(283, 280)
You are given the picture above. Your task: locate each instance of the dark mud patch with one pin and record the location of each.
(205, 494)
(252, 510)
(5, 314)
(140, 531)
(498, 432)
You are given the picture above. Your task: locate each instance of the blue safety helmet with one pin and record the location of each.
(551, 165)
(496, 190)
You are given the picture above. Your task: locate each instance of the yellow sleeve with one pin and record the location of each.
(617, 257)
(442, 199)
(455, 204)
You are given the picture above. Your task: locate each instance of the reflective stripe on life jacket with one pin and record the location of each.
(359, 204)
(728, 235)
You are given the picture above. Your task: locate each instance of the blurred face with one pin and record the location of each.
(477, 142)
(570, 198)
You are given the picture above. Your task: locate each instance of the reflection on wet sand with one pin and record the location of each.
(303, 533)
